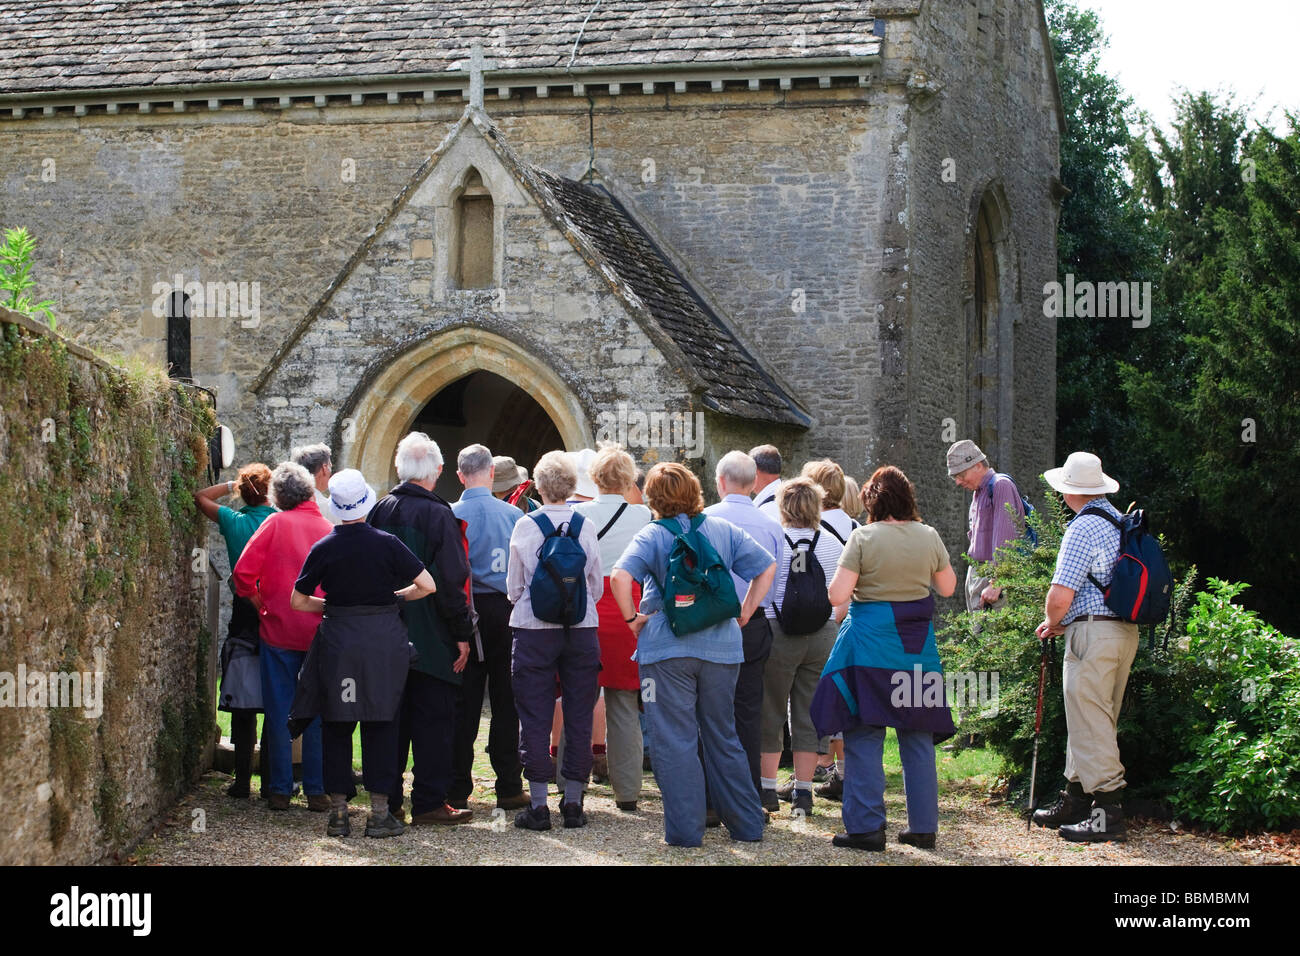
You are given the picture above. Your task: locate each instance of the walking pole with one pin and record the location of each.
(1038, 726)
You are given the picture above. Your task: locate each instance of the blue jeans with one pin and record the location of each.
(693, 702)
(863, 809)
(279, 682)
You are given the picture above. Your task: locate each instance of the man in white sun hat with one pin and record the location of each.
(1099, 650)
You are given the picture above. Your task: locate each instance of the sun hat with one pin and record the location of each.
(582, 459)
(1081, 475)
(350, 497)
(507, 474)
(963, 455)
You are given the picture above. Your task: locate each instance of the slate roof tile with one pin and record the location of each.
(401, 36)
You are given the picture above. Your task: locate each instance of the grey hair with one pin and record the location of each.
(556, 476)
(473, 460)
(291, 485)
(737, 469)
(418, 458)
(311, 457)
(767, 458)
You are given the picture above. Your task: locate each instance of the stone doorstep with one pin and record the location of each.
(224, 758)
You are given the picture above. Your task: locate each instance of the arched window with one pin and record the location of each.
(179, 311)
(984, 338)
(473, 251)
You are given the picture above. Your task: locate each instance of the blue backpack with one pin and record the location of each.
(1142, 584)
(1030, 537)
(558, 591)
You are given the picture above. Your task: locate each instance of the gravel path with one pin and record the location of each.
(972, 830)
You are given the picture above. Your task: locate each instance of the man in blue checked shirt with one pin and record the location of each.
(1099, 650)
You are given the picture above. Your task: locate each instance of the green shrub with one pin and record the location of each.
(1241, 744)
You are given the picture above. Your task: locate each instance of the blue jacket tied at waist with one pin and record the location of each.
(884, 671)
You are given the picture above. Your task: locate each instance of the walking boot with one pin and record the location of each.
(1071, 806)
(1105, 821)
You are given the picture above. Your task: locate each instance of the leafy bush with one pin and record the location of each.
(1241, 744)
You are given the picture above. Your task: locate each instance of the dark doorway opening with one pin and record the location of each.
(485, 408)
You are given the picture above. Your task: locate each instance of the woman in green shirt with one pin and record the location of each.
(241, 682)
(884, 669)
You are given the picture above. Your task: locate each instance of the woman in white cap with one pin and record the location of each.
(356, 668)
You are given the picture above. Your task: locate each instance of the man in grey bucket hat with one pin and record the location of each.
(990, 525)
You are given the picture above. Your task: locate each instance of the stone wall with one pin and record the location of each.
(98, 578)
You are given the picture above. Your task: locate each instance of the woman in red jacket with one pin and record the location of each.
(265, 574)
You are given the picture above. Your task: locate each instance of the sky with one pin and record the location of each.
(1250, 46)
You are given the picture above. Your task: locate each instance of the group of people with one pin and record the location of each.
(591, 617)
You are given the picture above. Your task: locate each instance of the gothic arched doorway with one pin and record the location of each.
(485, 408)
(436, 384)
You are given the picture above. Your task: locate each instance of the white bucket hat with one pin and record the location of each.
(1081, 475)
(582, 460)
(350, 497)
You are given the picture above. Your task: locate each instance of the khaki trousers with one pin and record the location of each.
(1098, 656)
(623, 744)
(975, 585)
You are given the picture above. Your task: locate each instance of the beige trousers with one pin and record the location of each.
(1098, 656)
(975, 585)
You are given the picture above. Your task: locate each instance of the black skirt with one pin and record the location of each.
(355, 668)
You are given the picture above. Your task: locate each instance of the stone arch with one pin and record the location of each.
(992, 306)
(385, 406)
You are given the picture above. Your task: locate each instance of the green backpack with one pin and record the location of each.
(699, 591)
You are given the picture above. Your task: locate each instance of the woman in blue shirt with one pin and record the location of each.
(689, 682)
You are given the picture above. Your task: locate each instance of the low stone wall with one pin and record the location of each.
(106, 656)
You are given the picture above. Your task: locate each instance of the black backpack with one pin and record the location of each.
(1141, 586)
(805, 606)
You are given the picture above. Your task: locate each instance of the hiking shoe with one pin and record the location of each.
(318, 803)
(1072, 806)
(771, 802)
(802, 804)
(600, 768)
(833, 788)
(786, 791)
(279, 801)
(445, 815)
(819, 775)
(238, 791)
(627, 806)
(922, 841)
(339, 825)
(1105, 822)
(516, 802)
(388, 826)
(534, 818)
(873, 842)
(573, 815)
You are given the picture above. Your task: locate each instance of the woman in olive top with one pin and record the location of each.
(241, 680)
(884, 669)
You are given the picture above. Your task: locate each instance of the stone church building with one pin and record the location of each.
(691, 226)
